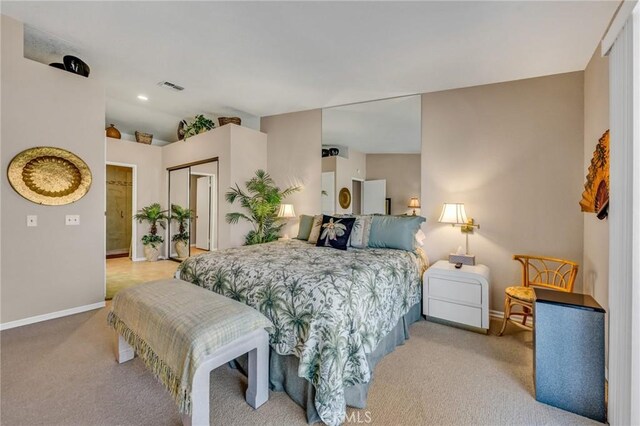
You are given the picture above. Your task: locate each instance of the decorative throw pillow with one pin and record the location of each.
(315, 229)
(335, 232)
(360, 232)
(396, 232)
(304, 229)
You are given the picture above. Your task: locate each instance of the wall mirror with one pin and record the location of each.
(371, 156)
(194, 187)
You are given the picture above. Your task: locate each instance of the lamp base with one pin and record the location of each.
(465, 259)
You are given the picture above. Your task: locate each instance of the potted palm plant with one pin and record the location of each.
(181, 239)
(154, 215)
(262, 200)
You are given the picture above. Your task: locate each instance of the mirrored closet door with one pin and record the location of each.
(193, 196)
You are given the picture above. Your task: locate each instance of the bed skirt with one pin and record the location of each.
(283, 369)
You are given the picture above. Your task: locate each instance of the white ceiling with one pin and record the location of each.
(265, 58)
(389, 126)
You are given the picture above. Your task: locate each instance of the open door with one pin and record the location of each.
(203, 213)
(374, 193)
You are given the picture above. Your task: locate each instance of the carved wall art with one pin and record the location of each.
(595, 197)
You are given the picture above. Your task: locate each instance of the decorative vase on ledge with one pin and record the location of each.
(226, 120)
(145, 138)
(112, 132)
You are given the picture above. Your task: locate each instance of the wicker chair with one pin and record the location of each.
(537, 271)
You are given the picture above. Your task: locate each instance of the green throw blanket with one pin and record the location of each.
(173, 326)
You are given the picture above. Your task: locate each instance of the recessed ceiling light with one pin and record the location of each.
(143, 98)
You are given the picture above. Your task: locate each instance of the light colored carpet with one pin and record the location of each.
(62, 372)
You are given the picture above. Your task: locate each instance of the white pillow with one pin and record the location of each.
(420, 237)
(359, 237)
(315, 229)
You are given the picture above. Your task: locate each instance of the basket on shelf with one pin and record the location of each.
(226, 120)
(145, 138)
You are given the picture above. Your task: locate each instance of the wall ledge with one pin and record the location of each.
(50, 316)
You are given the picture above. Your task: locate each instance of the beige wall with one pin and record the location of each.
(402, 172)
(294, 157)
(52, 267)
(510, 152)
(150, 177)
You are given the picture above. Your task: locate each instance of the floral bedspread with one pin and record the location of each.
(329, 307)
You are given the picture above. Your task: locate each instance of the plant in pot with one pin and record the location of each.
(198, 125)
(262, 200)
(154, 215)
(181, 239)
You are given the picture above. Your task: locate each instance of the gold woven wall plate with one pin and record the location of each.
(344, 197)
(50, 176)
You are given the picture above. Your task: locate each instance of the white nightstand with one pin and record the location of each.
(457, 295)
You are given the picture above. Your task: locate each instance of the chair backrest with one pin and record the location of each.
(548, 272)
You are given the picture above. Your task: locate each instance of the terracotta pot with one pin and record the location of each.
(182, 249)
(112, 132)
(151, 253)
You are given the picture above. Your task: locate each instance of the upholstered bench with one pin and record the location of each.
(182, 332)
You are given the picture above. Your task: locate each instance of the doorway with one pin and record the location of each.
(356, 196)
(120, 183)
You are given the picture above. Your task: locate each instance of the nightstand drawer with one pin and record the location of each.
(461, 291)
(468, 315)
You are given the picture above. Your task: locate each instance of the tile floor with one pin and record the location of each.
(123, 273)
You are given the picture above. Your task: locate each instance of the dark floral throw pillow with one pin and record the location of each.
(335, 232)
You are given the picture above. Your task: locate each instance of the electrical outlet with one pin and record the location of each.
(72, 219)
(32, 220)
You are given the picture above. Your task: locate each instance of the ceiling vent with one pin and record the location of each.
(172, 86)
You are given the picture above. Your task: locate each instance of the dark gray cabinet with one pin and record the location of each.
(568, 361)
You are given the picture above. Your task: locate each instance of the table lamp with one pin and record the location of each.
(414, 204)
(286, 212)
(455, 214)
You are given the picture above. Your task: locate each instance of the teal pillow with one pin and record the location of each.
(306, 222)
(396, 232)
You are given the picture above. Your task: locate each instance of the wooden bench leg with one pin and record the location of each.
(258, 390)
(124, 351)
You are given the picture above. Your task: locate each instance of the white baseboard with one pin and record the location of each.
(52, 315)
(500, 315)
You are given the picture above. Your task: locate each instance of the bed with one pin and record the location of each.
(336, 313)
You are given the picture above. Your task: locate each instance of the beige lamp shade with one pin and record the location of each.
(286, 211)
(414, 203)
(453, 213)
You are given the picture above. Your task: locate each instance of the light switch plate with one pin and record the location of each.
(32, 220)
(72, 219)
